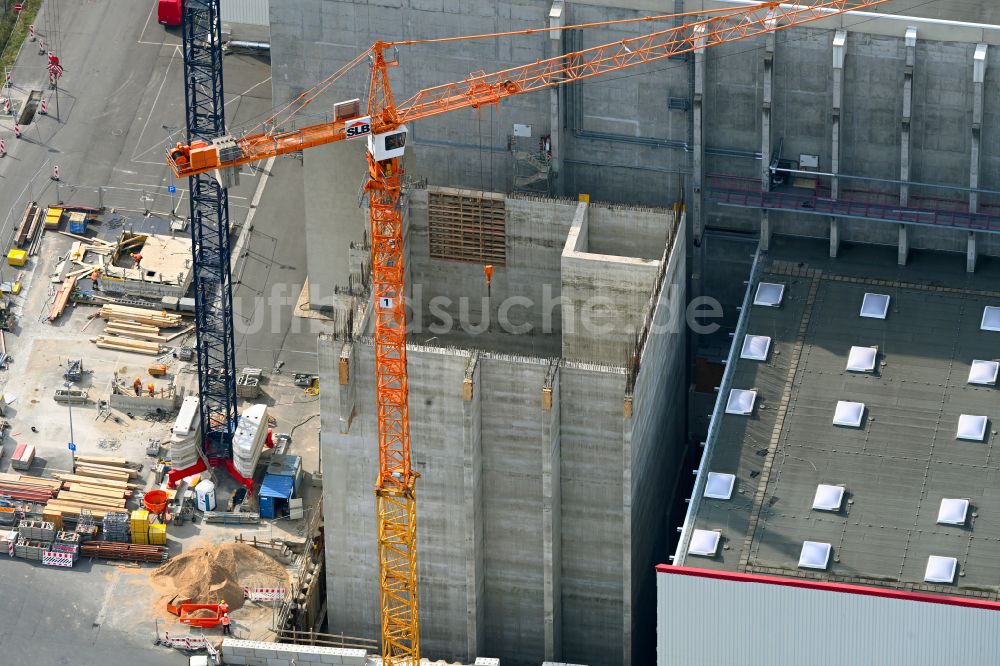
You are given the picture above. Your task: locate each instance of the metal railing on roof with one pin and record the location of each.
(744, 192)
(694, 504)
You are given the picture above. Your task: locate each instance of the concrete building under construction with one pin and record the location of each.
(551, 457)
(544, 422)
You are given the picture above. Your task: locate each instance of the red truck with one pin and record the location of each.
(170, 12)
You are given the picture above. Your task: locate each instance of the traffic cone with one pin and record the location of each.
(55, 172)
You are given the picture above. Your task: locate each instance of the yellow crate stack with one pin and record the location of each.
(158, 534)
(140, 526)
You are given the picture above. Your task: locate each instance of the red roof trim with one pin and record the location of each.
(864, 590)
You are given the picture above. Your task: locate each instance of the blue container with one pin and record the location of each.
(275, 491)
(78, 227)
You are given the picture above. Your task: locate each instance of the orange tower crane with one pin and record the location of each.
(384, 127)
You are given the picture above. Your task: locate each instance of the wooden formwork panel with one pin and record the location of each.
(467, 226)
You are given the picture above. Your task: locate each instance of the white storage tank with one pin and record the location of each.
(205, 492)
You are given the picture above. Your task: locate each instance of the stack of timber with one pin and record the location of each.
(100, 484)
(122, 313)
(109, 550)
(135, 329)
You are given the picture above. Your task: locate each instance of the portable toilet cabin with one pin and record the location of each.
(275, 491)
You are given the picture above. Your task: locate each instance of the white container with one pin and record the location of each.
(185, 438)
(205, 493)
(248, 440)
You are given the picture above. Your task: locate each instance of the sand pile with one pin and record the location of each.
(219, 572)
(202, 613)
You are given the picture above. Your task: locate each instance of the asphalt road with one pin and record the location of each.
(120, 103)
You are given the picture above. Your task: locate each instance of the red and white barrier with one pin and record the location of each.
(55, 172)
(43, 108)
(264, 593)
(7, 107)
(53, 559)
(3, 148)
(9, 80)
(31, 33)
(17, 131)
(186, 641)
(41, 47)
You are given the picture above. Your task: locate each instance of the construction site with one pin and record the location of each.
(521, 333)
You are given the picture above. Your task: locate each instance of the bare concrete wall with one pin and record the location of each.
(536, 229)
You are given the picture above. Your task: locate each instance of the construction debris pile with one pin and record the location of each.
(137, 330)
(218, 573)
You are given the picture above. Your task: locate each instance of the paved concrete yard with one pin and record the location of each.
(121, 101)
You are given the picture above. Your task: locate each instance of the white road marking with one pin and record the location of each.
(159, 146)
(146, 24)
(173, 55)
(245, 230)
(102, 614)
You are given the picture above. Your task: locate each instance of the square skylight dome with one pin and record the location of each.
(704, 542)
(984, 372)
(741, 401)
(849, 414)
(971, 427)
(953, 511)
(940, 569)
(991, 318)
(875, 306)
(755, 347)
(862, 359)
(720, 486)
(814, 555)
(769, 293)
(828, 498)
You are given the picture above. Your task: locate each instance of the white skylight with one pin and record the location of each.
(984, 372)
(704, 542)
(953, 511)
(828, 498)
(940, 569)
(769, 293)
(755, 347)
(862, 359)
(849, 414)
(991, 318)
(875, 306)
(971, 427)
(720, 486)
(815, 555)
(741, 401)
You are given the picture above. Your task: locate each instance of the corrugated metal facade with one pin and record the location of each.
(249, 12)
(713, 622)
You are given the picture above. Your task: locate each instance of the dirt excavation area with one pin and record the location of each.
(214, 573)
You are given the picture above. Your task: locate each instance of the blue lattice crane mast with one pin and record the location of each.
(216, 357)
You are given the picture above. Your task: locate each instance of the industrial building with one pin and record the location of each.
(847, 477)
(870, 134)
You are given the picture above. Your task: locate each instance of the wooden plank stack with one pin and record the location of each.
(135, 329)
(131, 315)
(100, 483)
